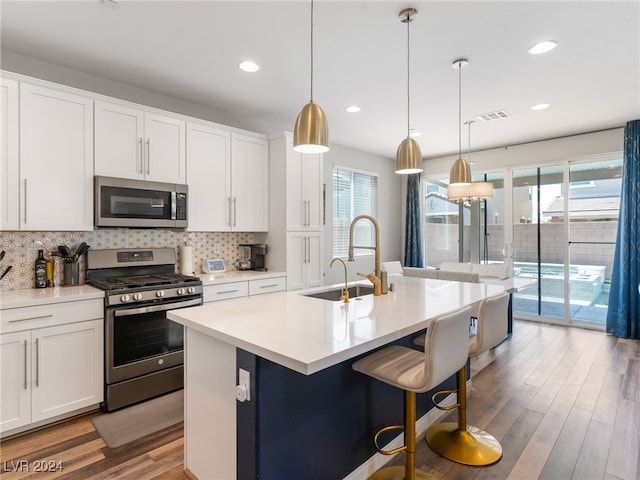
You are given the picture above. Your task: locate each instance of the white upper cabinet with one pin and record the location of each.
(209, 178)
(9, 173)
(56, 160)
(304, 194)
(249, 183)
(133, 143)
(228, 182)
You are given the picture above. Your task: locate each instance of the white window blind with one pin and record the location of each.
(354, 193)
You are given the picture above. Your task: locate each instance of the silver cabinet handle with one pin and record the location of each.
(304, 250)
(304, 212)
(271, 285)
(25, 364)
(309, 250)
(224, 292)
(148, 156)
(30, 318)
(37, 362)
(141, 170)
(25, 200)
(308, 213)
(235, 210)
(228, 214)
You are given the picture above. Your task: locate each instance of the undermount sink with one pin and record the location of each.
(334, 294)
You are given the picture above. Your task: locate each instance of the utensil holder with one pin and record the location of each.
(71, 273)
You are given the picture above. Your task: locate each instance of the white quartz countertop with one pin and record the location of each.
(41, 296)
(236, 276)
(308, 334)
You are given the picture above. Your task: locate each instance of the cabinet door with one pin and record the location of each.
(9, 176)
(118, 141)
(165, 149)
(209, 178)
(67, 368)
(304, 189)
(304, 260)
(56, 160)
(249, 184)
(296, 202)
(15, 390)
(313, 270)
(312, 180)
(296, 259)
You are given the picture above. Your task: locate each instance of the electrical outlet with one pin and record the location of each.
(244, 380)
(216, 248)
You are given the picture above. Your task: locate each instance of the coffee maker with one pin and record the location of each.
(254, 256)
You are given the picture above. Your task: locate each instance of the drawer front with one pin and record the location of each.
(28, 318)
(225, 291)
(267, 285)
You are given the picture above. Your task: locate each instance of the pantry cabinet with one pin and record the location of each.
(139, 144)
(49, 371)
(9, 173)
(228, 180)
(297, 213)
(56, 160)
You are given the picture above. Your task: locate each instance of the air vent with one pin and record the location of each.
(493, 116)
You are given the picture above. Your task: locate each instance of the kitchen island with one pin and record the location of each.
(309, 415)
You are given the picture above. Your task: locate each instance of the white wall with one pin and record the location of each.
(535, 153)
(389, 215)
(73, 78)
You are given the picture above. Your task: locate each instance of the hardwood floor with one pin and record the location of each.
(563, 402)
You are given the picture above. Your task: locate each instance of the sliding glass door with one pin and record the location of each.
(482, 237)
(564, 228)
(538, 241)
(593, 207)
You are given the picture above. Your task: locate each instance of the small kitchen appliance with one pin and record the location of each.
(256, 253)
(144, 350)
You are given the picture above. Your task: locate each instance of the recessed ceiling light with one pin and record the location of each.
(414, 133)
(249, 66)
(542, 47)
(540, 106)
(113, 4)
(353, 109)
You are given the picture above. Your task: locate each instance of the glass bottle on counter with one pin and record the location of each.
(41, 270)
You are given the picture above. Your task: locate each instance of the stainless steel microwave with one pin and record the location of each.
(124, 202)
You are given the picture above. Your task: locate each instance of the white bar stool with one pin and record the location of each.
(447, 343)
(460, 442)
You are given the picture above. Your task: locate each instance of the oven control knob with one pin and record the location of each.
(160, 293)
(181, 291)
(137, 296)
(125, 298)
(191, 289)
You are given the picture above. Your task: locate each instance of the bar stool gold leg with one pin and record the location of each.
(409, 470)
(460, 442)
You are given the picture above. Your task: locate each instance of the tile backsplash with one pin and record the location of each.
(21, 249)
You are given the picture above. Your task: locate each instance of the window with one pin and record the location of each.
(354, 193)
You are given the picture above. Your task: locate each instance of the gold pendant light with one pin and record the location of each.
(408, 156)
(460, 173)
(470, 192)
(311, 132)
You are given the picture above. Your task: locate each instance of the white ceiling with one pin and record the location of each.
(190, 50)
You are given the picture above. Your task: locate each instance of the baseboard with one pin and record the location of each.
(377, 461)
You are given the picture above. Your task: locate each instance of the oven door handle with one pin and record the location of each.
(158, 308)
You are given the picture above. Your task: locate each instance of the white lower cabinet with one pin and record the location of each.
(48, 372)
(304, 262)
(243, 288)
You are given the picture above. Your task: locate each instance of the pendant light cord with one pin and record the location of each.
(408, 77)
(460, 109)
(312, 50)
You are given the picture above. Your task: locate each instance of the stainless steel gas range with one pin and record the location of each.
(143, 349)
